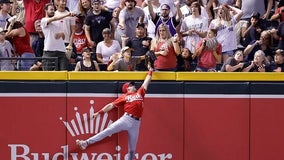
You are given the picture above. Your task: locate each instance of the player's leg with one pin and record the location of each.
(133, 134)
(115, 127)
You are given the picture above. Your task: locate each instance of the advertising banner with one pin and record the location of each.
(181, 121)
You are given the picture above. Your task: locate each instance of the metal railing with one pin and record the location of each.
(35, 59)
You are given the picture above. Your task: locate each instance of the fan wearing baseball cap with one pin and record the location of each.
(132, 102)
(278, 64)
(126, 62)
(141, 44)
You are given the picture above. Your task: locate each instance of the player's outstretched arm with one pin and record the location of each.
(148, 78)
(106, 108)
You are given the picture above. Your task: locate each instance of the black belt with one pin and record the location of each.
(136, 118)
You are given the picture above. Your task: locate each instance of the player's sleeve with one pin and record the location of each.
(142, 91)
(119, 102)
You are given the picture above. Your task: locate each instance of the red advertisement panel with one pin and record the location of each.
(162, 130)
(45, 128)
(267, 129)
(216, 129)
(31, 128)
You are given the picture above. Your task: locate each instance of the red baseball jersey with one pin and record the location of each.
(133, 103)
(80, 41)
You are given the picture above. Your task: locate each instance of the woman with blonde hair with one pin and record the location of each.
(259, 64)
(166, 49)
(84, 7)
(227, 18)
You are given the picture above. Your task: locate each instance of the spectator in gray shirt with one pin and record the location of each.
(125, 62)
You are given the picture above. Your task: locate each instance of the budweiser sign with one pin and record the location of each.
(27, 154)
(80, 124)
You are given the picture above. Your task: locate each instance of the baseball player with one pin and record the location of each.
(132, 101)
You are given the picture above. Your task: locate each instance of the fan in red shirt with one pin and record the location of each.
(132, 103)
(34, 10)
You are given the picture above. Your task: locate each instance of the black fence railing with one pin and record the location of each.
(71, 67)
(53, 60)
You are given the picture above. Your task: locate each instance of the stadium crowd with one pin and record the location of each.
(126, 35)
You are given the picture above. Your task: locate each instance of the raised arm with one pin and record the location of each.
(269, 7)
(14, 7)
(148, 78)
(239, 3)
(55, 18)
(176, 44)
(178, 14)
(105, 109)
(237, 13)
(151, 10)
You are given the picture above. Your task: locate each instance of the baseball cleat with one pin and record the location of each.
(81, 144)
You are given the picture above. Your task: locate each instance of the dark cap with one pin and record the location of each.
(165, 6)
(126, 85)
(94, 1)
(86, 49)
(5, 1)
(125, 49)
(78, 20)
(140, 25)
(255, 15)
(279, 52)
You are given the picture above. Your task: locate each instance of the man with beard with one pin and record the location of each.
(95, 22)
(54, 39)
(164, 17)
(141, 45)
(129, 17)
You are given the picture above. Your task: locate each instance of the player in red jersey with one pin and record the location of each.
(132, 102)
